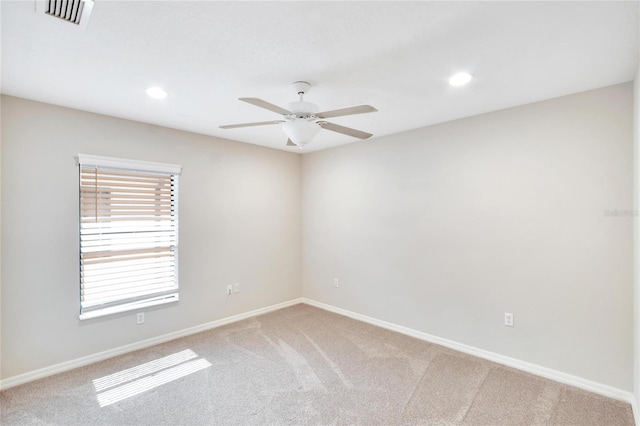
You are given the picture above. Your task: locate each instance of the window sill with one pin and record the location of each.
(96, 313)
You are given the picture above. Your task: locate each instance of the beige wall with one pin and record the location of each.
(444, 229)
(240, 221)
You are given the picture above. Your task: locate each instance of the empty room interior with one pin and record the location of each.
(230, 212)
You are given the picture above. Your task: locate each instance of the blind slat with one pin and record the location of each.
(99, 240)
(133, 272)
(109, 192)
(127, 202)
(105, 185)
(129, 206)
(93, 258)
(126, 218)
(127, 286)
(145, 232)
(90, 177)
(134, 213)
(91, 196)
(115, 300)
(124, 173)
(102, 250)
(130, 265)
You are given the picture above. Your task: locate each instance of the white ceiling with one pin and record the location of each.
(396, 56)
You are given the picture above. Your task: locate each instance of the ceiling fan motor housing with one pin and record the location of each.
(302, 109)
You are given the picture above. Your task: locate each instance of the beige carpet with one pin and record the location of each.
(303, 366)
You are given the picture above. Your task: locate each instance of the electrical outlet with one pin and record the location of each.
(508, 319)
(229, 289)
(336, 283)
(236, 288)
(140, 318)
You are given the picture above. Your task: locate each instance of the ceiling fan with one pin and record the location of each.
(302, 121)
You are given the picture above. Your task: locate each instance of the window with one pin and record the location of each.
(128, 235)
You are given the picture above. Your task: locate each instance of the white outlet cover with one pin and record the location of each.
(508, 319)
(236, 288)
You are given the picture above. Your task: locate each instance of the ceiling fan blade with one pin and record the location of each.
(360, 109)
(289, 143)
(345, 130)
(266, 105)
(261, 123)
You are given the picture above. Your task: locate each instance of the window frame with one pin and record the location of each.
(129, 166)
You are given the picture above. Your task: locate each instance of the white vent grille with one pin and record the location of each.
(74, 11)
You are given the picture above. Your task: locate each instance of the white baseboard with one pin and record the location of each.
(101, 356)
(538, 370)
(635, 407)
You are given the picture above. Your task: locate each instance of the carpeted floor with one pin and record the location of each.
(302, 366)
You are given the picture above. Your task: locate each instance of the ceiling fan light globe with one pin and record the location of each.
(301, 131)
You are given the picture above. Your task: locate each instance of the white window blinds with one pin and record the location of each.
(128, 235)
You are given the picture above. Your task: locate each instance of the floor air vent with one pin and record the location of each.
(74, 11)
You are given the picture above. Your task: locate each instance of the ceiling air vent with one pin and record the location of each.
(74, 11)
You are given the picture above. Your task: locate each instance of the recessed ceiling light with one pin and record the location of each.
(156, 92)
(460, 79)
